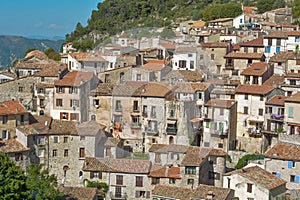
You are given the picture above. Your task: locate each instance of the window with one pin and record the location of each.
(118, 105)
(60, 90)
(55, 139)
(18, 156)
(292, 82)
(96, 175)
(172, 113)
(42, 79)
(118, 191)
(119, 179)
(66, 153)
(74, 116)
(190, 170)
(221, 111)
(42, 102)
(220, 145)
(93, 117)
(190, 181)
(182, 64)
(96, 103)
(246, 96)
(140, 194)
(270, 110)
(82, 137)
(294, 179)
(246, 110)
(139, 181)
(74, 103)
(22, 120)
(291, 112)
(64, 115)
(172, 180)
(269, 41)
(249, 187)
(153, 111)
(228, 182)
(190, 55)
(59, 102)
(278, 42)
(291, 164)
(213, 175)
(41, 153)
(277, 49)
(268, 49)
(255, 49)
(81, 152)
(54, 153)
(260, 112)
(106, 78)
(261, 97)
(212, 56)
(157, 158)
(138, 77)
(135, 105)
(245, 49)
(4, 119)
(192, 64)
(155, 181)
(73, 90)
(21, 89)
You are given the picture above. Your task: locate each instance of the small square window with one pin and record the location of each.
(55, 139)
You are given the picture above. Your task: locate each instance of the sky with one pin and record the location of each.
(44, 17)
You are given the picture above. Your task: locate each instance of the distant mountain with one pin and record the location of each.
(14, 47)
(43, 37)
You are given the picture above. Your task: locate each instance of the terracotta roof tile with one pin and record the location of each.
(194, 156)
(44, 85)
(294, 98)
(220, 103)
(282, 56)
(80, 193)
(258, 42)
(41, 124)
(166, 62)
(215, 44)
(165, 148)
(74, 78)
(11, 146)
(186, 75)
(250, 9)
(277, 100)
(112, 142)
(83, 56)
(168, 46)
(59, 127)
(260, 176)
(239, 55)
(277, 34)
(159, 171)
(103, 89)
(154, 89)
(221, 20)
(12, 107)
(254, 89)
(153, 66)
(284, 151)
(117, 165)
(183, 193)
(256, 69)
(274, 81)
(52, 70)
(190, 87)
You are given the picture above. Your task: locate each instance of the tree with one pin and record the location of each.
(52, 54)
(167, 33)
(12, 180)
(29, 50)
(41, 184)
(296, 11)
(264, 5)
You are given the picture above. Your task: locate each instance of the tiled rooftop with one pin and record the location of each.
(74, 78)
(159, 171)
(294, 98)
(258, 42)
(12, 146)
(256, 69)
(260, 176)
(254, 89)
(117, 165)
(220, 103)
(83, 56)
(277, 100)
(239, 55)
(12, 107)
(284, 151)
(80, 193)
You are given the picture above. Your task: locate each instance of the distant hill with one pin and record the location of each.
(14, 47)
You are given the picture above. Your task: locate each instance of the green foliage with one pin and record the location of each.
(50, 52)
(12, 180)
(244, 160)
(228, 158)
(216, 11)
(99, 185)
(37, 184)
(29, 50)
(41, 184)
(167, 33)
(266, 5)
(296, 11)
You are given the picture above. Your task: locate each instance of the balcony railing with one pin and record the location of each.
(218, 133)
(253, 132)
(135, 124)
(171, 130)
(118, 196)
(152, 132)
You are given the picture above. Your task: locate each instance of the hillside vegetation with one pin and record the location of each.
(114, 16)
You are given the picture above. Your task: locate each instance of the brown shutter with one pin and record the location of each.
(67, 116)
(91, 175)
(61, 115)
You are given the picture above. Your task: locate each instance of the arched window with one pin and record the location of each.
(42, 112)
(171, 140)
(93, 117)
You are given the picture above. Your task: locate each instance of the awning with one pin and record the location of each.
(194, 120)
(171, 121)
(293, 124)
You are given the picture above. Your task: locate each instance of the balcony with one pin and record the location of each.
(152, 132)
(118, 196)
(229, 66)
(253, 132)
(135, 125)
(218, 133)
(171, 130)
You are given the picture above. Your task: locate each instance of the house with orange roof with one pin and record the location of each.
(12, 115)
(87, 62)
(284, 62)
(291, 114)
(254, 183)
(283, 160)
(257, 73)
(250, 114)
(291, 83)
(219, 125)
(71, 96)
(221, 22)
(253, 46)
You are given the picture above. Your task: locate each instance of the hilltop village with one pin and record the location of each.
(165, 118)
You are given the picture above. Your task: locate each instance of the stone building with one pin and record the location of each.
(126, 179)
(220, 124)
(255, 183)
(71, 96)
(12, 115)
